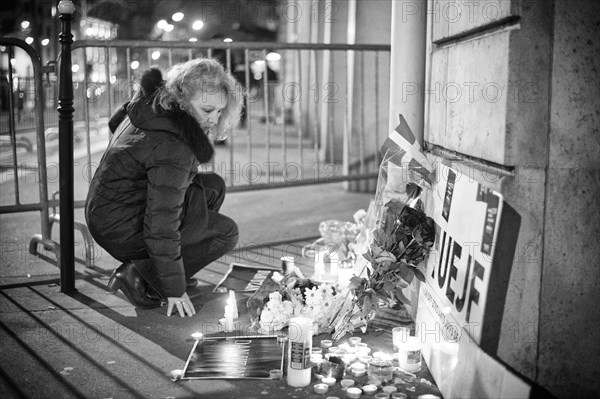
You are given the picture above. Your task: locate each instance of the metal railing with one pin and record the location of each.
(304, 124)
(44, 237)
(301, 125)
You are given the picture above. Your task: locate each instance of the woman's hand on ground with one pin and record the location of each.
(183, 304)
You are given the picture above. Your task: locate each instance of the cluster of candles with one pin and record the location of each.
(358, 361)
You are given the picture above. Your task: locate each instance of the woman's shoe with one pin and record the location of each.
(192, 283)
(136, 289)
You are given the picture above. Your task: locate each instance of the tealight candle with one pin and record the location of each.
(389, 389)
(176, 374)
(369, 389)
(358, 369)
(281, 337)
(330, 381)
(362, 349)
(353, 393)
(275, 374)
(316, 350)
(358, 373)
(355, 340)
(364, 359)
(332, 349)
(382, 395)
(399, 395)
(320, 389)
(346, 383)
(349, 358)
(197, 335)
(325, 343)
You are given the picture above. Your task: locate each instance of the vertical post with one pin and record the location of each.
(407, 74)
(66, 8)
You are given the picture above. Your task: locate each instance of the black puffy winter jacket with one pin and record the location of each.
(136, 196)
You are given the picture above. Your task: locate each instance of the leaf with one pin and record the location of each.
(400, 297)
(389, 287)
(368, 257)
(356, 282)
(419, 275)
(375, 250)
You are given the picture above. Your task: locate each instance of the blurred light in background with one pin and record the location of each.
(228, 40)
(193, 39)
(75, 68)
(178, 16)
(155, 55)
(29, 40)
(161, 24)
(45, 42)
(25, 25)
(197, 25)
(135, 64)
(273, 56)
(168, 27)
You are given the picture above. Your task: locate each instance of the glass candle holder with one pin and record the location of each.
(380, 371)
(409, 355)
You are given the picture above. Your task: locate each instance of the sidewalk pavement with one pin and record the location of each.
(95, 344)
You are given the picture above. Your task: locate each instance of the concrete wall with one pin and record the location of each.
(569, 336)
(515, 84)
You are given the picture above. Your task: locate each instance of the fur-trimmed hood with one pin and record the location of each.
(176, 122)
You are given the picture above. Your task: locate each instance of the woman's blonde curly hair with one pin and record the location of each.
(202, 75)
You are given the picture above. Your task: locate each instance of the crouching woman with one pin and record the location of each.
(147, 205)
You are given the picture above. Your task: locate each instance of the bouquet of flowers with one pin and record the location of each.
(400, 245)
(285, 296)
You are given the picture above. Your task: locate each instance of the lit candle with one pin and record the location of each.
(228, 318)
(233, 303)
(197, 335)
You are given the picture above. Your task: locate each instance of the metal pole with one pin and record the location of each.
(66, 9)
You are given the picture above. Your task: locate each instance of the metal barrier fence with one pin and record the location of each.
(304, 121)
(307, 113)
(9, 110)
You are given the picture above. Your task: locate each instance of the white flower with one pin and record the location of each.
(312, 295)
(287, 308)
(275, 296)
(267, 316)
(326, 290)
